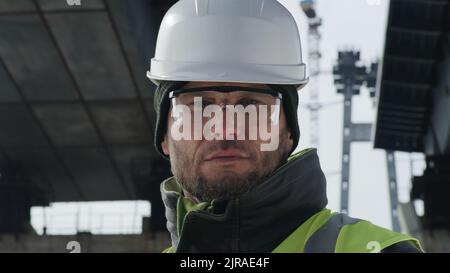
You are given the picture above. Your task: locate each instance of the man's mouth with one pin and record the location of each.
(226, 156)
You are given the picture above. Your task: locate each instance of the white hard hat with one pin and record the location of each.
(246, 41)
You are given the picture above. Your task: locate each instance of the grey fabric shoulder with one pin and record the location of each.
(325, 238)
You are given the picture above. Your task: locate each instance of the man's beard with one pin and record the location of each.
(229, 184)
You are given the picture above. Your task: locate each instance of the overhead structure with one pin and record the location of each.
(76, 114)
(414, 104)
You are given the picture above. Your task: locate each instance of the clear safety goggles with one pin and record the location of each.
(196, 99)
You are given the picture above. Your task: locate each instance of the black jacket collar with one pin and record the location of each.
(257, 221)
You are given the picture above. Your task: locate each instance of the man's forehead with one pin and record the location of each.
(206, 84)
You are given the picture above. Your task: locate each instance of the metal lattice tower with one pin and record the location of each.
(349, 77)
(314, 56)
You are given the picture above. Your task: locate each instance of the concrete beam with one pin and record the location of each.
(88, 243)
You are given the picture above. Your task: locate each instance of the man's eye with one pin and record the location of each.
(206, 103)
(191, 102)
(202, 106)
(246, 102)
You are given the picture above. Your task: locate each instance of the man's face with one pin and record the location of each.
(223, 169)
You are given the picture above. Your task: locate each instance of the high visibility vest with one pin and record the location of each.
(327, 232)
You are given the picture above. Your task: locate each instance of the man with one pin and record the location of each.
(232, 191)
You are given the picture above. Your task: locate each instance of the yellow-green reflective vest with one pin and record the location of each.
(327, 232)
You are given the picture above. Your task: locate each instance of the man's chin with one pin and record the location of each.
(220, 178)
(232, 179)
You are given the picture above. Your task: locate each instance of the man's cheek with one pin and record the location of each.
(184, 147)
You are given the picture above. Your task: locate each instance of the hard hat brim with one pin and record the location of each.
(228, 72)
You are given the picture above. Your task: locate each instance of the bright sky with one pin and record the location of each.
(347, 24)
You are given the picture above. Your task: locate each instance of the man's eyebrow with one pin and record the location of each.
(198, 93)
(238, 95)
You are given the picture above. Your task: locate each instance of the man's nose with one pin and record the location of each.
(229, 126)
(233, 127)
